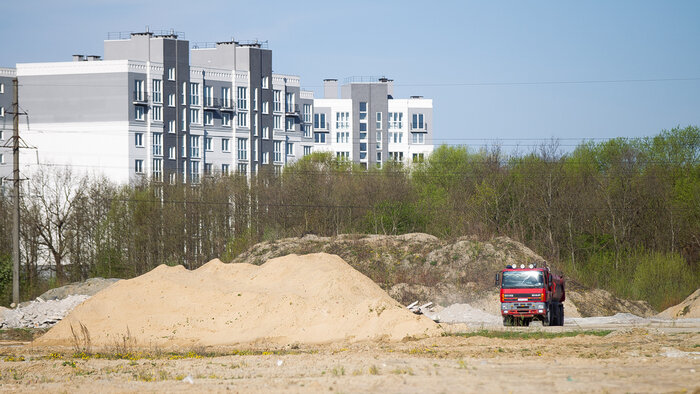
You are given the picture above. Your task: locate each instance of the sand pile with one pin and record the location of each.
(465, 313)
(689, 308)
(314, 298)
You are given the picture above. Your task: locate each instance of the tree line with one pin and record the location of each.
(623, 214)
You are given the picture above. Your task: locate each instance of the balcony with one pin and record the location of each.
(416, 127)
(212, 103)
(140, 97)
(292, 110)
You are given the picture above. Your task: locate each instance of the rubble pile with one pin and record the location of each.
(40, 313)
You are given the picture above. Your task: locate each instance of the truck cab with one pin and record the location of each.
(531, 293)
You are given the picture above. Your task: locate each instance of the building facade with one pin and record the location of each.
(365, 124)
(154, 108)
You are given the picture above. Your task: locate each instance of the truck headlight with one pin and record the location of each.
(539, 306)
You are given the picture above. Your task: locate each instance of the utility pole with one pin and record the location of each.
(15, 178)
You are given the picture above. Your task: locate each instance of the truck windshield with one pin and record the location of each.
(522, 280)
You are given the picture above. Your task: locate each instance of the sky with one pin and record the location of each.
(514, 73)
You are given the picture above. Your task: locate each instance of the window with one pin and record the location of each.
(157, 144)
(2, 88)
(266, 157)
(207, 144)
(320, 138)
(290, 149)
(207, 168)
(342, 155)
(418, 157)
(242, 100)
(417, 122)
(226, 97)
(171, 100)
(266, 133)
(225, 169)
(307, 130)
(277, 100)
(184, 119)
(2, 158)
(171, 73)
(396, 156)
(158, 170)
(242, 119)
(183, 143)
(395, 120)
(157, 91)
(265, 107)
(277, 122)
(138, 90)
(242, 168)
(379, 157)
(396, 137)
(194, 93)
(209, 118)
(183, 94)
(363, 116)
(194, 116)
(242, 148)
(255, 125)
(289, 123)
(138, 166)
(2, 112)
(254, 150)
(379, 120)
(225, 145)
(171, 126)
(342, 137)
(194, 172)
(255, 99)
(172, 178)
(342, 120)
(307, 113)
(265, 82)
(418, 138)
(138, 139)
(171, 153)
(289, 102)
(307, 150)
(138, 112)
(157, 113)
(277, 147)
(208, 95)
(320, 121)
(225, 119)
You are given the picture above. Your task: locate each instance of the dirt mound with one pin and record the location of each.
(421, 267)
(293, 299)
(689, 308)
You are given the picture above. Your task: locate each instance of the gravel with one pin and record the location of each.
(40, 313)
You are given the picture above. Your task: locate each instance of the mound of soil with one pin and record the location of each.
(689, 308)
(314, 298)
(421, 267)
(88, 287)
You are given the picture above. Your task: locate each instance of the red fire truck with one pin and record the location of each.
(531, 293)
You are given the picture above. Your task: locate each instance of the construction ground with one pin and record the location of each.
(320, 314)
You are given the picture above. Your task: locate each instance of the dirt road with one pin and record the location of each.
(626, 360)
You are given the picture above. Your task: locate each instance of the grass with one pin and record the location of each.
(528, 334)
(21, 334)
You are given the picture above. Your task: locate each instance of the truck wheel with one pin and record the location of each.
(561, 315)
(547, 320)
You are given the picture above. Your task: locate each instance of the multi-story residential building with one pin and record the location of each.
(156, 108)
(6, 77)
(368, 126)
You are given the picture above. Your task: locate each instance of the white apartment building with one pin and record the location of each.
(367, 125)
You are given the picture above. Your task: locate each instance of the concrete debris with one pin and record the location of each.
(88, 287)
(40, 313)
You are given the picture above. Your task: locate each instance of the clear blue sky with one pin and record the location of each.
(423, 43)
